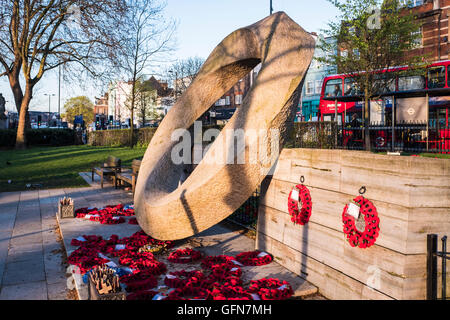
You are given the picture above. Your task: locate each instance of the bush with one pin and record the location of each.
(49, 137)
(7, 137)
(120, 137)
(53, 137)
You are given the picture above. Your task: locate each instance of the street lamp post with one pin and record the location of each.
(176, 83)
(59, 96)
(49, 95)
(271, 8)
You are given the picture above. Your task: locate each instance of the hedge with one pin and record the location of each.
(121, 137)
(53, 137)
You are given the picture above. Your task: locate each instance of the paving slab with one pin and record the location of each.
(57, 291)
(9, 197)
(25, 253)
(30, 256)
(7, 219)
(25, 291)
(24, 271)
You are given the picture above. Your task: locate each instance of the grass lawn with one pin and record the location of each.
(56, 167)
(426, 155)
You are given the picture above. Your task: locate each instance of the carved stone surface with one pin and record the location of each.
(168, 210)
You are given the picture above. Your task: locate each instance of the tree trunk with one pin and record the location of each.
(21, 140)
(366, 123)
(17, 91)
(14, 83)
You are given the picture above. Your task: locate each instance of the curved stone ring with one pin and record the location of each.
(169, 208)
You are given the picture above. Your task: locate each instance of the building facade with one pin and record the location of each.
(435, 31)
(153, 104)
(224, 108)
(101, 111)
(117, 95)
(312, 86)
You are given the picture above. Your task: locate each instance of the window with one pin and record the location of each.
(344, 53)
(227, 100)
(238, 99)
(333, 88)
(351, 30)
(351, 87)
(309, 88)
(436, 77)
(411, 83)
(417, 38)
(220, 102)
(384, 83)
(318, 88)
(356, 53)
(411, 3)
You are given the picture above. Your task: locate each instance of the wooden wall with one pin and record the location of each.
(412, 196)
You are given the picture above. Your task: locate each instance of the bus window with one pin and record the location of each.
(442, 118)
(333, 88)
(351, 87)
(436, 77)
(384, 83)
(411, 83)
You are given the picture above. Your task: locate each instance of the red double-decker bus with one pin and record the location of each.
(340, 101)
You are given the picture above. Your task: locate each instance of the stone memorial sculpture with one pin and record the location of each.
(169, 207)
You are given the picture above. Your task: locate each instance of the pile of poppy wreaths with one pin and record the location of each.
(112, 214)
(219, 279)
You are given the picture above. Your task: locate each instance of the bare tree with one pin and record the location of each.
(183, 72)
(146, 97)
(375, 35)
(37, 36)
(149, 37)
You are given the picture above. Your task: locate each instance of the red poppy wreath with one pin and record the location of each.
(271, 289)
(254, 258)
(361, 232)
(180, 279)
(300, 204)
(184, 256)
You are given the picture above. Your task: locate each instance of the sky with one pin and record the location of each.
(202, 24)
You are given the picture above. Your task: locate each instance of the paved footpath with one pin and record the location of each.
(32, 265)
(30, 255)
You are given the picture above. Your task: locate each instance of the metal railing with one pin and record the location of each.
(410, 137)
(432, 267)
(247, 214)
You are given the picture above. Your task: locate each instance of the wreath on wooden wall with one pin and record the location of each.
(361, 221)
(300, 203)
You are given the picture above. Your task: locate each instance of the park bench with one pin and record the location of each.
(108, 169)
(129, 176)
